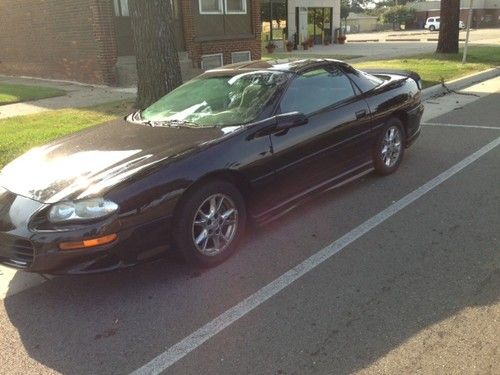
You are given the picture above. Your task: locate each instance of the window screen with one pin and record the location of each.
(210, 6)
(211, 61)
(236, 6)
(237, 57)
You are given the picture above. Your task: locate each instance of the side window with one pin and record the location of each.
(438, 19)
(363, 80)
(316, 89)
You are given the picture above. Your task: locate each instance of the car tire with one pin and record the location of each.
(389, 147)
(432, 28)
(206, 232)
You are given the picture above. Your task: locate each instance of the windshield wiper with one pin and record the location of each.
(136, 118)
(170, 123)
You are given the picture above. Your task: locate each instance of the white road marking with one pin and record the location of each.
(176, 352)
(459, 126)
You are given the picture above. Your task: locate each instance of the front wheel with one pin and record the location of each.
(389, 149)
(432, 28)
(210, 223)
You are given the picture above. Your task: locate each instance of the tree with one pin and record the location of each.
(345, 8)
(357, 6)
(348, 6)
(448, 29)
(399, 14)
(158, 68)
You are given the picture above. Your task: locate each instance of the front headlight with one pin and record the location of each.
(87, 209)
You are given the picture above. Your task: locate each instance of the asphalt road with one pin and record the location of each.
(417, 293)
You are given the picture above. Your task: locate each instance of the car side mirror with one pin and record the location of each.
(290, 120)
(278, 124)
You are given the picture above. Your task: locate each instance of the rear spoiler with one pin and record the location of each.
(405, 73)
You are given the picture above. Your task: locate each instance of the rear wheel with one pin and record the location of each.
(210, 223)
(389, 149)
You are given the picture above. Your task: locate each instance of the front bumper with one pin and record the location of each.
(38, 251)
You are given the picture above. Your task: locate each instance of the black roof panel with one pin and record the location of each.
(293, 66)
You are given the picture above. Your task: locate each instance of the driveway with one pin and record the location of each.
(385, 275)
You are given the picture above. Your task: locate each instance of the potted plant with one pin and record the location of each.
(289, 46)
(305, 45)
(341, 39)
(270, 47)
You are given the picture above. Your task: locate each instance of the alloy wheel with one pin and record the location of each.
(391, 146)
(215, 224)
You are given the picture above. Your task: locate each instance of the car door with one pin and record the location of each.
(333, 143)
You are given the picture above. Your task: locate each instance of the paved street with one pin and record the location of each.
(398, 43)
(413, 287)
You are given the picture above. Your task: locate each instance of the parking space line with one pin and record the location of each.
(459, 126)
(179, 350)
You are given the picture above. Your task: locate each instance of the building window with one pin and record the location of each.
(211, 61)
(121, 8)
(210, 6)
(236, 6)
(237, 57)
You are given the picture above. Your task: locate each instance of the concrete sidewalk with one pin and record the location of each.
(78, 96)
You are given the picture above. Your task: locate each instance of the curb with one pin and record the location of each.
(363, 40)
(460, 83)
(403, 40)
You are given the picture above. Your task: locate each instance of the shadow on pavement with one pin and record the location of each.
(430, 268)
(114, 323)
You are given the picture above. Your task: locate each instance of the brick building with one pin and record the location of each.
(485, 13)
(91, 40)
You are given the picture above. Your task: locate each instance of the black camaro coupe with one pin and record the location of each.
(243, 143)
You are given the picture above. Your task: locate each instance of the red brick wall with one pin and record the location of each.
(62, 39)
(196, 48)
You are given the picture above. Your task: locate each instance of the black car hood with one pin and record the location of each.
(90, 162)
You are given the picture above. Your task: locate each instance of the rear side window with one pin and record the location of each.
(364, 81)
(315, 90)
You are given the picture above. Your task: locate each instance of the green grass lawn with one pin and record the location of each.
(19, 134)
(299, 55)
(434, 67)
(10, 93)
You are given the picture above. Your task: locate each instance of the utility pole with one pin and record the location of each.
(469, 20)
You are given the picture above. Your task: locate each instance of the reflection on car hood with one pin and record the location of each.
(88, 162)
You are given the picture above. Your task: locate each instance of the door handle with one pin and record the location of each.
(360, 114)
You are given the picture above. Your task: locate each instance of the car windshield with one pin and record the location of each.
(216, 100)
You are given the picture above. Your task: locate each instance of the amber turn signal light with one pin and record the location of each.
(99, 241)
